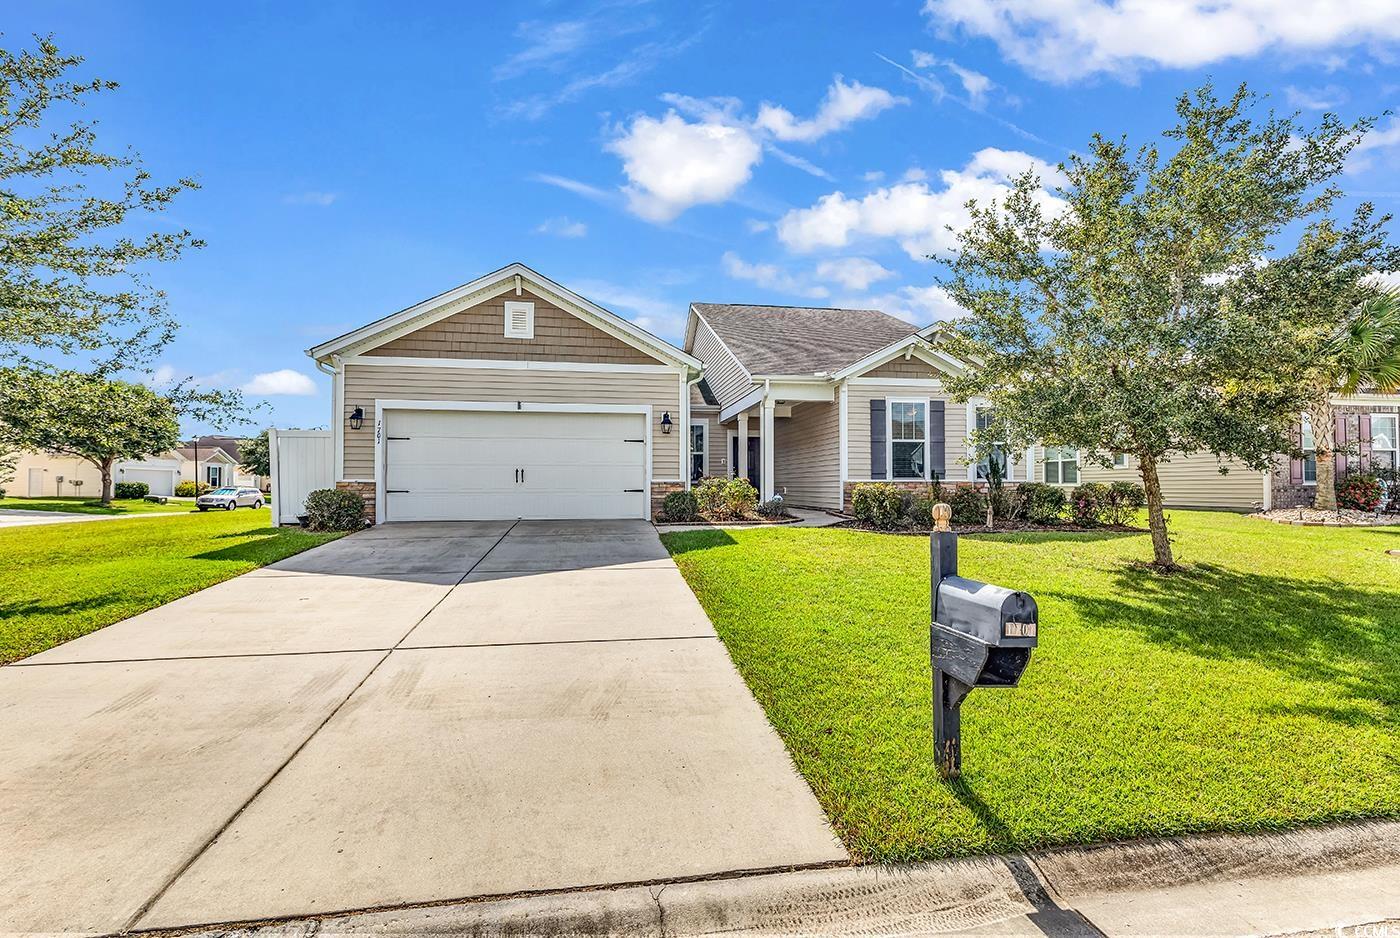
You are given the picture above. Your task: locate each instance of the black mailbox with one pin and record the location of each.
(980, 636)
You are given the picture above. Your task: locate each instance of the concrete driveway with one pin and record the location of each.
(413, 714)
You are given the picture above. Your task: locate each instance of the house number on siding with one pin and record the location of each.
(379, 431)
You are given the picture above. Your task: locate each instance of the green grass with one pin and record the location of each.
(64, 580)
(1259, 689)
(94, 506)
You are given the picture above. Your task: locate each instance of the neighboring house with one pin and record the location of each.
(219, 458)
(41, 474)
(508, 397)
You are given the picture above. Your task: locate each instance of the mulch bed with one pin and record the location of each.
(1010, 527)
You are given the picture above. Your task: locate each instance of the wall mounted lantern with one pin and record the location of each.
(666, 422)
(357, 418)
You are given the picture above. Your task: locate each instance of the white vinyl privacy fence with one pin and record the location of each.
(302, 460)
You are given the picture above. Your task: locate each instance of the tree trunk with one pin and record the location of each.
(1156, 519)
(105, 467)
(1324, 429)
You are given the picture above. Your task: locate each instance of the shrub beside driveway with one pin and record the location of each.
(62, 581)
(1260, 689)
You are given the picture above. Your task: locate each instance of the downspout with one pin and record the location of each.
(336, 371)
(685, 420)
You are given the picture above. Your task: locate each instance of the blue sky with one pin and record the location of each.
(356, 158)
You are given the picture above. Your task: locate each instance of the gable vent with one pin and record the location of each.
(520, 319)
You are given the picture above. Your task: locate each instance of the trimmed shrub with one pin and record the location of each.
(1088, 503)
(878, 504)
(709, 495)
(188, 489)
(740, 498)
(1360, 493)
(680, 506)
(969, 505)
(1042, 503)
(334, 510)
(921, 511)
(130, 490)
(1124, 500)
(773, 508)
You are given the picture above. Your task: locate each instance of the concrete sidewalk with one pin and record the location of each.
(24, 517)
(412, 714)
(1320, 881)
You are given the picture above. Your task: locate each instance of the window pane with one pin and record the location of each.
(1310, 469)
(906, 421)
(1071, 473)
(697, 466)
(1383, 432)
(697, 438)
(1308, 442)
(908, 460)
(1052, 472)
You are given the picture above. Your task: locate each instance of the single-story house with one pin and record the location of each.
(219, 463)
(510, 396)
(41, 474)
(847, 396)
(514, 397)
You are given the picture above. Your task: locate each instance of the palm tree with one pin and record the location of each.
(1364, 354)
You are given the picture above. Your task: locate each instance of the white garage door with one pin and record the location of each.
(443, 465)
(160, 480)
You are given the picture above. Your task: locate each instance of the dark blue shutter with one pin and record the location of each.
(878, 470)
(936, 462)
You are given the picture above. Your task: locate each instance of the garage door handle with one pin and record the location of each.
(400, 437)
(634, 441)
(396, 491)
(633, 490)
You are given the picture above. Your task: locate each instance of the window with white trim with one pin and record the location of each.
(908, 436)
(214, 475)
(520, 319)
(1120, 460)
(987, 420)
(1061, 465)
(1385, 441)
(697, 450)
(1309, 446)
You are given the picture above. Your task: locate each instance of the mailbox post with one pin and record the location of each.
(980, 636)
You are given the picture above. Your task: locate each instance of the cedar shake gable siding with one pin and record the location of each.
(479, 333)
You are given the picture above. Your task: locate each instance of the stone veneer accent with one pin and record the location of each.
(659, 491)
(912, 486)
(366, 490)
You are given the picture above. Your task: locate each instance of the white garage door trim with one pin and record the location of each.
(527, 407)
(144, 474)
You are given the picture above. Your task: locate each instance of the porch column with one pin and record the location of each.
(766, 447)
(741, 469)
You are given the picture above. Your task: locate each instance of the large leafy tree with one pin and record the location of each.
(72, 254)
(256, 455)
(71, 413)
(1123, 317)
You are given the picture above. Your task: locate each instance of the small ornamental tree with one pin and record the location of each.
(257, 458)
(1121, 317)
(73, 414)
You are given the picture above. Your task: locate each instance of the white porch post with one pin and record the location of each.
(766, 447)
(742, 467)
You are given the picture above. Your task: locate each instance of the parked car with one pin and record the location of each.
(229, 499)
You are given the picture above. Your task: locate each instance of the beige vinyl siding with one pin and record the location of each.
(858, 427)
(807, 455)
(899, 368)
(479, 332)
(364, 384)
(1192, 481)
(716, 440)
(726, 377)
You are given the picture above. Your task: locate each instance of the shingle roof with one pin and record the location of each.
(800, 340)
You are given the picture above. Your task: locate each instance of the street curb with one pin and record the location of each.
(1279, 883)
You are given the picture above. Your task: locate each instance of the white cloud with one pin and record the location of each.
(1381, 142)
(1386, 281)
(672, 164)
(975, 85)
(1315, 99)
(161, 376)
(285, 381)
(1070, 39)
(562, 227)
(771, 277)
(875, 175)
(853, 273)
(757, 225)
(914, 174)
(843, 105)
(319, 199)
(912, 213)
(658, 315)
(573, 185)
(917, 305)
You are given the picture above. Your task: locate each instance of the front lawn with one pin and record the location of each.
(61, 581)
(94, 506)
(1260, 689)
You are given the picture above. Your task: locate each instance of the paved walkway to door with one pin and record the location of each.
(413, 714)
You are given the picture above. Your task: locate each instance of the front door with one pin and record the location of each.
(755, 453)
